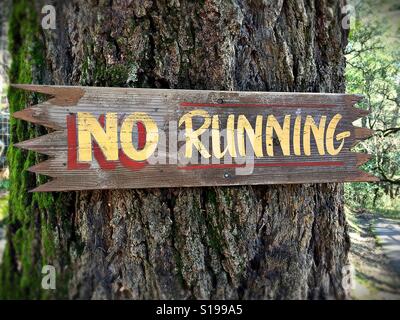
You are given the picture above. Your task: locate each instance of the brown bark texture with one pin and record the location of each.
(249, 242)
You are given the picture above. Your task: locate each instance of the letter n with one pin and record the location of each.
(89, 129)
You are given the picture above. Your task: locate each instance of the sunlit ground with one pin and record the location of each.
(374, 277)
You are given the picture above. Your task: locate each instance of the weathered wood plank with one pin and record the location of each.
(102, 133)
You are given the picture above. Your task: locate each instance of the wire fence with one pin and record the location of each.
(4, 137)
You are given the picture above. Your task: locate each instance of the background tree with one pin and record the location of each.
(373, 69)
(234, 242)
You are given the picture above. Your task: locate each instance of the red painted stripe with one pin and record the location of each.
(72, 159)
(265, 105)
(276, 164)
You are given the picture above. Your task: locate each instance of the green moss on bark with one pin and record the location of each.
(32, 234)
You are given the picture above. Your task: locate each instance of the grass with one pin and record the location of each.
(4, 184)
(352, 219)
(388, 213)
(354, 224)
(372, 231)
(363, 279)
(388, 207)
(3, 207)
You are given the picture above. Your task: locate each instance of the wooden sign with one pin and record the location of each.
(109, 138)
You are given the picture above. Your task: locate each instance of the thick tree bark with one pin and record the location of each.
(263, 242)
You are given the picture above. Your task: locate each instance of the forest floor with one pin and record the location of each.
(375, 257)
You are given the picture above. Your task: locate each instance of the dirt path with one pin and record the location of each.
(374, 275)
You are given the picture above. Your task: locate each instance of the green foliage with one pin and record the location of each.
(3, 207)
(4, 184)
(373, 69)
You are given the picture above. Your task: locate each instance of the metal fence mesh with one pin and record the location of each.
(4, 137)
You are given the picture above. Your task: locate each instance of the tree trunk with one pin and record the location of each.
(250, 242)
